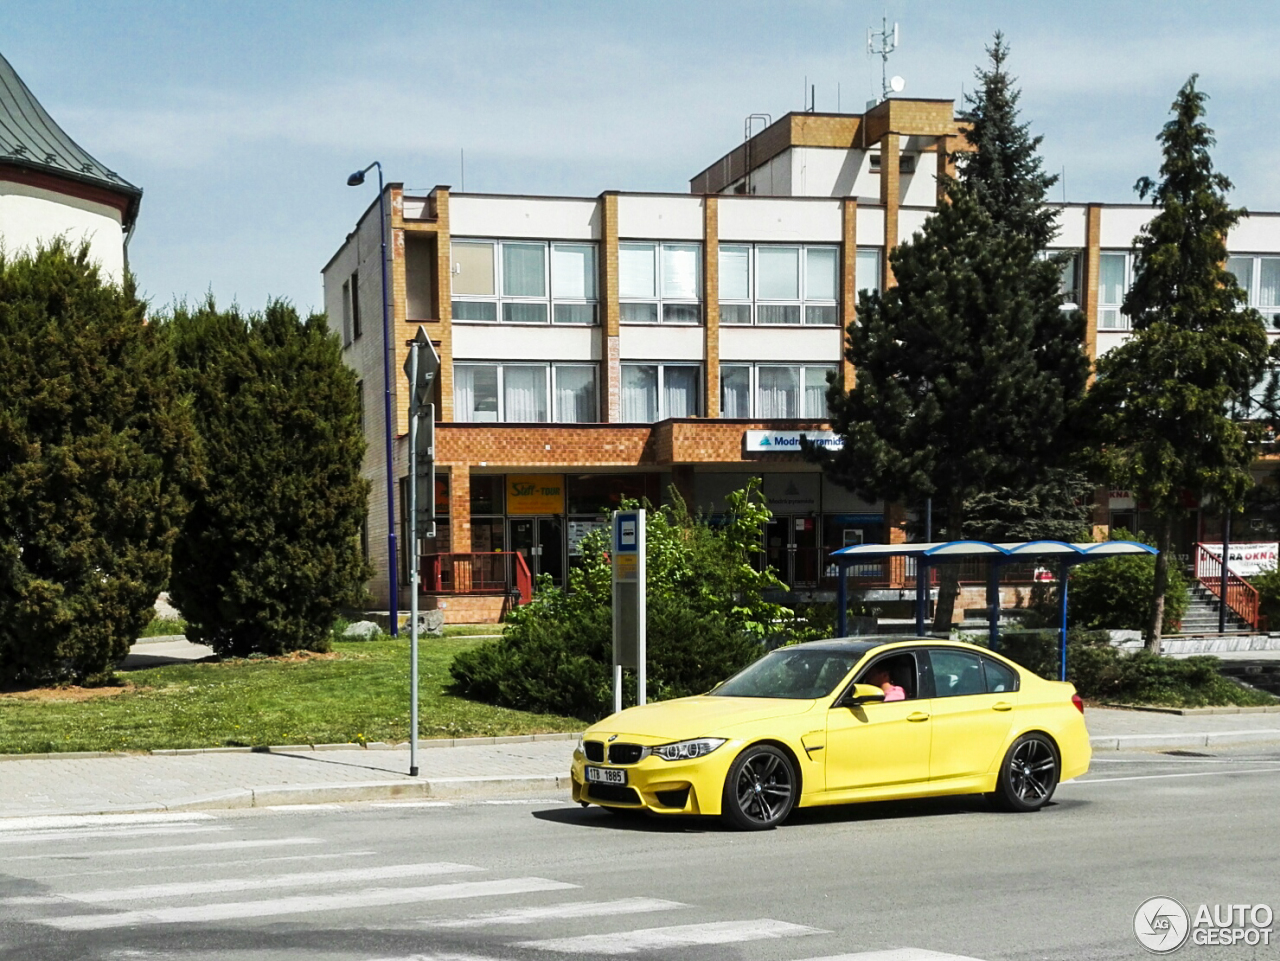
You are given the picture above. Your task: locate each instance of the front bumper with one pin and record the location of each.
(664, 787)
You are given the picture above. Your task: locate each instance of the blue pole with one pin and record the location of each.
(842, 602)
(1063, 570)
(922, 592)
(393, 568)
(993, 600)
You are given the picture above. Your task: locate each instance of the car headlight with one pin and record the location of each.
(580, 749)
(687, 750)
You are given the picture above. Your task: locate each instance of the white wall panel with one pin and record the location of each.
(1073, 224)
(815, 344)
(636, 342)
(30, 216)
(415, 208)
(870, 225)
(660, 218)
(1121, 224)
(544, 218)
(770, 219)
(825, 171)
(921, 188)
(910, 220)
(1111, 339)
(1256, 234)
(519, 342)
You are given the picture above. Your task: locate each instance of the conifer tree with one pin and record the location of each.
(270, 551)
(1163, 401)
(96, 455)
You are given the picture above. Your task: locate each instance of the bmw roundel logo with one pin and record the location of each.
(613, 737)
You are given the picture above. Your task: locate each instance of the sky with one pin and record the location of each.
(241, 119)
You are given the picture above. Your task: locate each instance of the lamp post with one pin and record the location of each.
(393, 572)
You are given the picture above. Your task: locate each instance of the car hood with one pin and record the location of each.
(700, 716)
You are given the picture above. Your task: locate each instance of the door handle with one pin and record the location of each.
(918, 716)
(1002, 706)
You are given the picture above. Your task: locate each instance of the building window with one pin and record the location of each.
(1259, 277)
(775, 285)
(867, 272)
(660, 283)
(360, 403)
(653, 392)
(1113, 281)
(346, 313)
(525, 393)
(774, 391)
(524, 282)
(356, 328)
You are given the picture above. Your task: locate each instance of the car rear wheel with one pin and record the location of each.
(760, 790)
(1028, 775)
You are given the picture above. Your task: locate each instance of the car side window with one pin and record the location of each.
(901, 671)
(956, 673)
(1000, 678)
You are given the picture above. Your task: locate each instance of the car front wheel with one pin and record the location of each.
(760, 790)
(1028, 775)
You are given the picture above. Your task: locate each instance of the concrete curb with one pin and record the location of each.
(1158, 742)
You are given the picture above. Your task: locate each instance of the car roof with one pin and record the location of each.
(869, 642)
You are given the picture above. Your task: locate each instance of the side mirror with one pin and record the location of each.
(863, 694)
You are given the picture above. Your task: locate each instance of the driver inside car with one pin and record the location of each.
(879, 676)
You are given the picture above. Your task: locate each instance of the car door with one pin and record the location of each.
(971, 717)
(880, 745)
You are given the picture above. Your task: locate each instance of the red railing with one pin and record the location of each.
(1242, 598)
(496, 572)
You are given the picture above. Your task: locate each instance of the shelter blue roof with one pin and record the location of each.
(952, 549)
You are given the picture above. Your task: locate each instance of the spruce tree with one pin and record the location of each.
(965, 371)
(96, 455)
(1162, 403)
(270, 551)
(1004, 169)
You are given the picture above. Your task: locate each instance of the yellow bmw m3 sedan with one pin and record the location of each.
(840, 721)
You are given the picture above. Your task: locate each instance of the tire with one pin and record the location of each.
(760, 789)
(1028, 775)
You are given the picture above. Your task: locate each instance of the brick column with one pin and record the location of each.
(848, 285)
(460, 508)
(890, 196)
(611, 366)
(895, 528)
(711, 302)
(439, 208)
(1101, 514)
(1089, 283)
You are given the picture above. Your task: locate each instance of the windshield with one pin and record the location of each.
(792, 672)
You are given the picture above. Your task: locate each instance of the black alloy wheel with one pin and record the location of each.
(1028, 775)
(760, 790)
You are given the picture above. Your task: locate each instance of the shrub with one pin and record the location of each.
(96, 462)
(707, 618)
(270, 551)
(1267, 584)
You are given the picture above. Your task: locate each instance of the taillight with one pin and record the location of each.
(1075, 699)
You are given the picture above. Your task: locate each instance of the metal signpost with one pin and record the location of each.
(421, 367)
(628, 602)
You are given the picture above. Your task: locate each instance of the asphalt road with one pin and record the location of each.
(543, 879)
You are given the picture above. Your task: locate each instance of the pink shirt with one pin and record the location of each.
(895, 693)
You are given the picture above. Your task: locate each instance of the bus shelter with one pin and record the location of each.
(997, 555)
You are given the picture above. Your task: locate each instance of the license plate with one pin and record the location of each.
(604, 775)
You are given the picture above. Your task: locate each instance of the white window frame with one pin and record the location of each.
(1270, 312)
(1073, 294)
(550, 401)
(549, 299)
(802, 301)
(661, 303)
(803, 369)
(1120, 321)
(662, 366)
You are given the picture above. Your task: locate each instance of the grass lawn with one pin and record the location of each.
(358, 693)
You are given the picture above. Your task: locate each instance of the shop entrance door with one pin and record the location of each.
(792, 548)
(541, 542)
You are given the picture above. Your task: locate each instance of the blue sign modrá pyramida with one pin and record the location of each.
(789, 440)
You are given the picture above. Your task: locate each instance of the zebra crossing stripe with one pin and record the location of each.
(677, 936)
(147, 892)
(305, 904)
(76, 834)
(560, 912)
(53, 821)
(170, 848)
(896, 954)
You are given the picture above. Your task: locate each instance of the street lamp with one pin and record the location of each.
(393, 571)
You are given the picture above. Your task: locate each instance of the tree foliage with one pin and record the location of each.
(707, 617)
(1059, 507)
(96, 455)
(270, 551)
(1162, 404)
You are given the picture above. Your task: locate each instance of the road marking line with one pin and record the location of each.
(896, 954)
(178, 889)
(170, 848)
(304, 807)
(411, 804)
(306, 904)
(539, 800)
(447, 956)
(559, 912)
(75, 834)
(192, 865)
(1157, 777)
(48, 822)
(676, 936)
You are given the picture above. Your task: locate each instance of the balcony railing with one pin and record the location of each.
(496, 572)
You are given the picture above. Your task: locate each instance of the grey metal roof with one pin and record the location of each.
(30, 138)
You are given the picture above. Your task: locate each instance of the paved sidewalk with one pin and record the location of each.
(222, 778)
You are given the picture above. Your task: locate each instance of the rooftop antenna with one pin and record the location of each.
(888, 42)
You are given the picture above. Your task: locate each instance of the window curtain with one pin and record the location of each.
(475, 393)
(735, 391)
(815, 392)
(778, 273)
(867, 270)
(821, 273)
(680, 391)
(576, 395)
(636, 274)
(680, 272)
(525, 394)
(639, 393)
(573, 272)
(473, 269)
(1111, 279)
(735, 273)
(524, 270)
(779, 391)
(1269, 287)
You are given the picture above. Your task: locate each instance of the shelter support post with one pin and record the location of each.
(922, 592)
(1063, 570)
(993, 603)
(842, 598)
